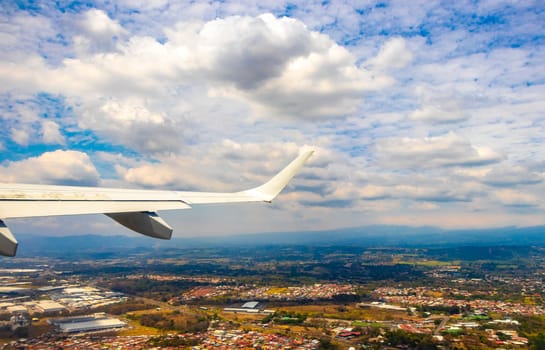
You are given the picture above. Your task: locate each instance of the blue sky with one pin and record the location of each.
(421, 112)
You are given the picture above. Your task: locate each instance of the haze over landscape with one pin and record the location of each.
(421, 113)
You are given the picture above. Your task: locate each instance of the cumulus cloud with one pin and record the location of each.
(436, 114)
(507, 176)
(98, 32)
(25, 122)
(97, 23)
(320, 85)
(20, 136)
(424, 206)
(127, 122)
(231, 166)
(394, 54)
(275, 63)
(430, 192)
(57, 167)
(439, 151)
(246, 51)
(269, 68)
(23, 33)
(515, 198)
(443, 104)
(51, 133)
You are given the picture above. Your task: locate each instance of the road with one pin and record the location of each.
(441, 325)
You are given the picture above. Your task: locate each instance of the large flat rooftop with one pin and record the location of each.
(89, 326)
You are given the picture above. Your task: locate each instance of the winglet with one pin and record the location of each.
(268, 191)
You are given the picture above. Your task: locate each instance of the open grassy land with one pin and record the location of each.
(346, 312)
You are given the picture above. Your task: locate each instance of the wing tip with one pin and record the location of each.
(269, 190)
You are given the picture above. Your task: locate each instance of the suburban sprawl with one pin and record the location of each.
(277, 298)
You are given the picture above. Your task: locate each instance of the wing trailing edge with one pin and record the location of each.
(134, 209)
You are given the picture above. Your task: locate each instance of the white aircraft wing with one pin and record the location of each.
(135, 209)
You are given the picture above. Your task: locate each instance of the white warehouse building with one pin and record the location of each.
(89, 323)
(90, 326)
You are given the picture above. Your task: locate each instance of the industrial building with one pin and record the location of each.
(92, 326)
(90, 323)
(48, 306)
(15, 290)
(250, 307)
(17, 309)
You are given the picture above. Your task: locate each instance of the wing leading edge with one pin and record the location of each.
(134, 209)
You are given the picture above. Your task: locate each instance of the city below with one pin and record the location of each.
(282, 296)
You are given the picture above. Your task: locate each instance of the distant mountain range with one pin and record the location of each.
(367, 236)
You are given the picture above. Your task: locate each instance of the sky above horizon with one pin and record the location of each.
(421, 112)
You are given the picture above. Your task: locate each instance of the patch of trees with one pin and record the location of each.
(178, 341)
(267, 318)
(326, 344)
(285, 317)
(531, 324)
(411, 340)
(123, 308)
(450, 310)
(346, 298)
(174, 322)
(537, 342)
(152, 288)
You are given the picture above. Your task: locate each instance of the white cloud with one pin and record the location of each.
(23, 33)
(98, 32)
(516, 198)
(20, 136)
(439, 151)
(508, 176)
(230, 166)
(394, 54)
(428, 192)
(51, 133)
(57, 167)
(97, 23)
(247, 51)
(268, 68)
(437, 114)
(127, 122)
(424, 206)
(275, 63)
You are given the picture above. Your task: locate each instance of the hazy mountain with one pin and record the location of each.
(367, 236)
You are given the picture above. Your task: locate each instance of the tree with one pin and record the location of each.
(326, 344)
(537, 342)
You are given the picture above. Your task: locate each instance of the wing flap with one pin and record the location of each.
(8, 243)
(146, 223)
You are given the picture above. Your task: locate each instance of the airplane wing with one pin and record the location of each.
(135, 209)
